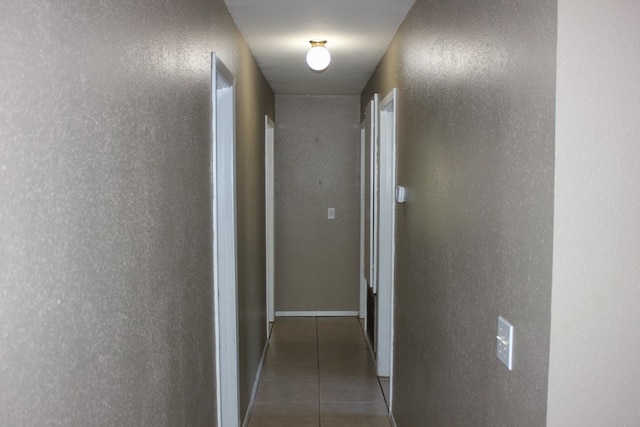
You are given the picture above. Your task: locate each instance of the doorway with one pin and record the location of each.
(370, 214)
(225, 270)
(269, 135)
(386, 237)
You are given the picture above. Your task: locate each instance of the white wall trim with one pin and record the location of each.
(374, 202)
(225, 267)
(386, 236)
(370, 125)
(315, 313)
(256, 383)
(269, 134)
(363, 182)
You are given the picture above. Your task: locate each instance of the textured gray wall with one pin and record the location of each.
(476, 87)
(254, 99)
(317, 166)
(594, 375)
(105, 274)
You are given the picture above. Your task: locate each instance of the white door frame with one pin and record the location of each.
(363, 182)
(269, 135)
(225, 264)
(369, 216)
(368, 184)
(386, 237)
(374, 188)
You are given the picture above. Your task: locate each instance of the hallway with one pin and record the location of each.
(318, 372)
(517, 145)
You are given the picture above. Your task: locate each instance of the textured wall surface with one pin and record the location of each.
(476, 89)
(254, 99)
(317, 166)
(594, 376)
(105, 255)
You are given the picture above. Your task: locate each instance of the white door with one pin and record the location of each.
(269, 130)
(386, 234)
(225, 277)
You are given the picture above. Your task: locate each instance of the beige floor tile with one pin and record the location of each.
(292, 338)
(289, 414)
(357, 392)
(278, 392)
(324, 328)
(341, 338)
(296, 319)
(301, 325)
(353, 330)
(349, 338)
(311, 360)
(290, 372)
(292, 353)
(347, 372)
(344, 355)
(354, 415)
(293, 332)
(341, 322)
(349, 329)
(323, 321)
(337, 331)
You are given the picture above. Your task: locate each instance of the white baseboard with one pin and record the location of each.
(256, 383)
(392, 420)
(316, 313)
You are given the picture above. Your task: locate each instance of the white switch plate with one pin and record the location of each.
(401, 194)
(504, 348)
(331, 213)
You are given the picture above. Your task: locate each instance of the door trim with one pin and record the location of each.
(363, 182)
(374, 189)
(370, 208)
(269, 136)
(386, 237)
(225, 263)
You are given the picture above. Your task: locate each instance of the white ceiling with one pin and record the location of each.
(358, 33)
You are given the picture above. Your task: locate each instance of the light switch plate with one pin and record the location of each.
(401, 194)
(331, 213)
(504, 339)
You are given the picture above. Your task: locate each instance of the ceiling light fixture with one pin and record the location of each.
(318, 57)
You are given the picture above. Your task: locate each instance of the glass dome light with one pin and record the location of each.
(318, 57)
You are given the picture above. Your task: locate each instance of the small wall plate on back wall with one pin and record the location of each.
(504, 347)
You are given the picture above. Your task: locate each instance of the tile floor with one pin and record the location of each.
(319, 372)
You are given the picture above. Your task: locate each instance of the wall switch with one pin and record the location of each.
(401, 194)
(331, 213)
(504, 348)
